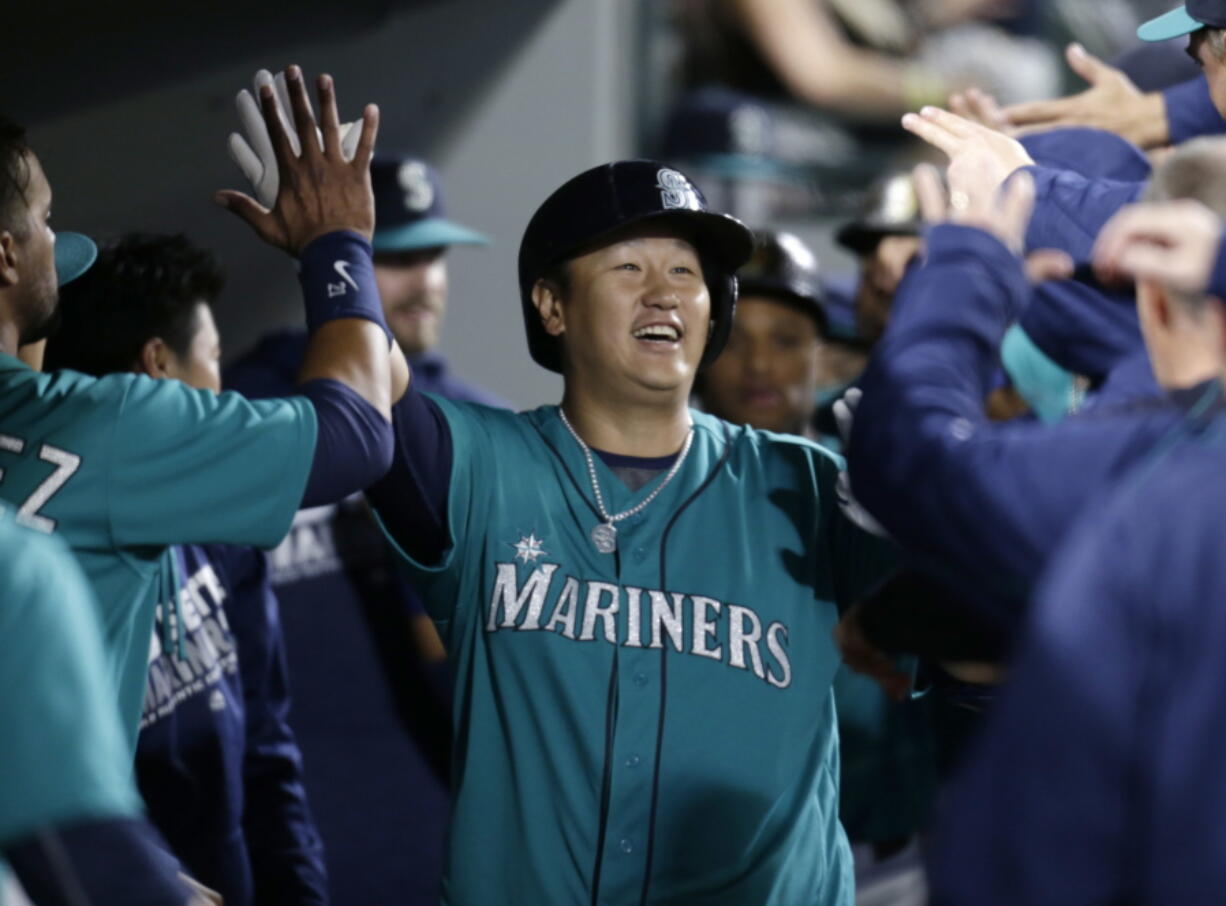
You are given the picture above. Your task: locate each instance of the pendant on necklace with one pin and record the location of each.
(604, 537)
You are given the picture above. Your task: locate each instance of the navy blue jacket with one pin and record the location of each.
(216, 761)
(980, 504)
(1098, 778)
(1190, 111)
(372, 720)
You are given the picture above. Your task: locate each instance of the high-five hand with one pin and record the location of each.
(979, 157)
(253, 152)
(318, 190)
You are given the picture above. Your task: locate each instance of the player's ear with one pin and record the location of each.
(154, 358)
(547, 298)
(8, 259)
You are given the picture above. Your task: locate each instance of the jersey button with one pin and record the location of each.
(640, 679)
(640, 554)
(633, 761)
(626, 845)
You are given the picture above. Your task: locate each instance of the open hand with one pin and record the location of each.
(980, 159)
(978, 106)
(318, 190)
(1172, 242)
(1111, 103)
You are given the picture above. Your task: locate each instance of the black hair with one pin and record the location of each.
(14, 177)
(142, 286)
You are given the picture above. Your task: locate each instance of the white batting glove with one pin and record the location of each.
(844, 415)
(254, 154)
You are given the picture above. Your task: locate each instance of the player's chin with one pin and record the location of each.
(678, 376)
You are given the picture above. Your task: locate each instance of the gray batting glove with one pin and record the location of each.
(254, 154)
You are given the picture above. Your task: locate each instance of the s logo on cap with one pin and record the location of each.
(676, 191)
(418, 193)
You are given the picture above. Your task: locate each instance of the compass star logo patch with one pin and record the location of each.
(529, 548)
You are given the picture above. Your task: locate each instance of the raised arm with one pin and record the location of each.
(324, 215)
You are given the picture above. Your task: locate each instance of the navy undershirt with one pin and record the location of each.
(636, 471)
(412, 497)
(352, 442)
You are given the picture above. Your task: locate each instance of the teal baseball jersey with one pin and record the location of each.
(62, 759)
(653, 725)
(123, 466)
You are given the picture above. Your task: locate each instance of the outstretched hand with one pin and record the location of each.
(1173, 242)
(1112, 103)
(975, 198)
(978, 106)
(980, 158)
(318, 189)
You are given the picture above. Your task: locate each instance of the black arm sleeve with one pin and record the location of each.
(411, 498)
(353, 444)
(96, 862)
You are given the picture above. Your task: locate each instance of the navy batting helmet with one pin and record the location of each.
(783, 267)
(597, 203)
(891, 208)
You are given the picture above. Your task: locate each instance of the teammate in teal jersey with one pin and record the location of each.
(637, 597)
(125, 465)
(69, 814)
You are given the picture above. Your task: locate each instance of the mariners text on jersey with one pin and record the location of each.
(639, 618)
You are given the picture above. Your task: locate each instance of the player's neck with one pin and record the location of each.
(645, 429)
(9, 336)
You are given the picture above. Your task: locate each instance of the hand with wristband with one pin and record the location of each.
(322, 210)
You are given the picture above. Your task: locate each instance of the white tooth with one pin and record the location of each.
(658, 331)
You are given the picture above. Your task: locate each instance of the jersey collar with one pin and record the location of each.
(12, 363)
(710, 440)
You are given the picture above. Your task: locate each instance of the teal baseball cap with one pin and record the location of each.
(1192, 16)
(75, 253)
(410, 212)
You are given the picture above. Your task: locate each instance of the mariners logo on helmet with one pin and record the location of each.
(677, 192)
(413, 178)
(590, 208)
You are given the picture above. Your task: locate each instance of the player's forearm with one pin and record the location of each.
(1071, 209)
(353, 443)
(924, 389)
(104, 861)
(411, 499)
(349, 340)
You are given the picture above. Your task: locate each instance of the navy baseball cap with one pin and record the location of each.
(75, 253)
(1193, 15)
(409, 209)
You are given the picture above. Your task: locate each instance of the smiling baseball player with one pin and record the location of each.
(637, 597)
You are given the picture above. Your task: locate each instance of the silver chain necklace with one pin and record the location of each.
(604, 535)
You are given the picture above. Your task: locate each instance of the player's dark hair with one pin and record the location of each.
(142, 286)
(14, 177)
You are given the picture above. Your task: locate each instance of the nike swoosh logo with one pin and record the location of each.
(342, 268)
